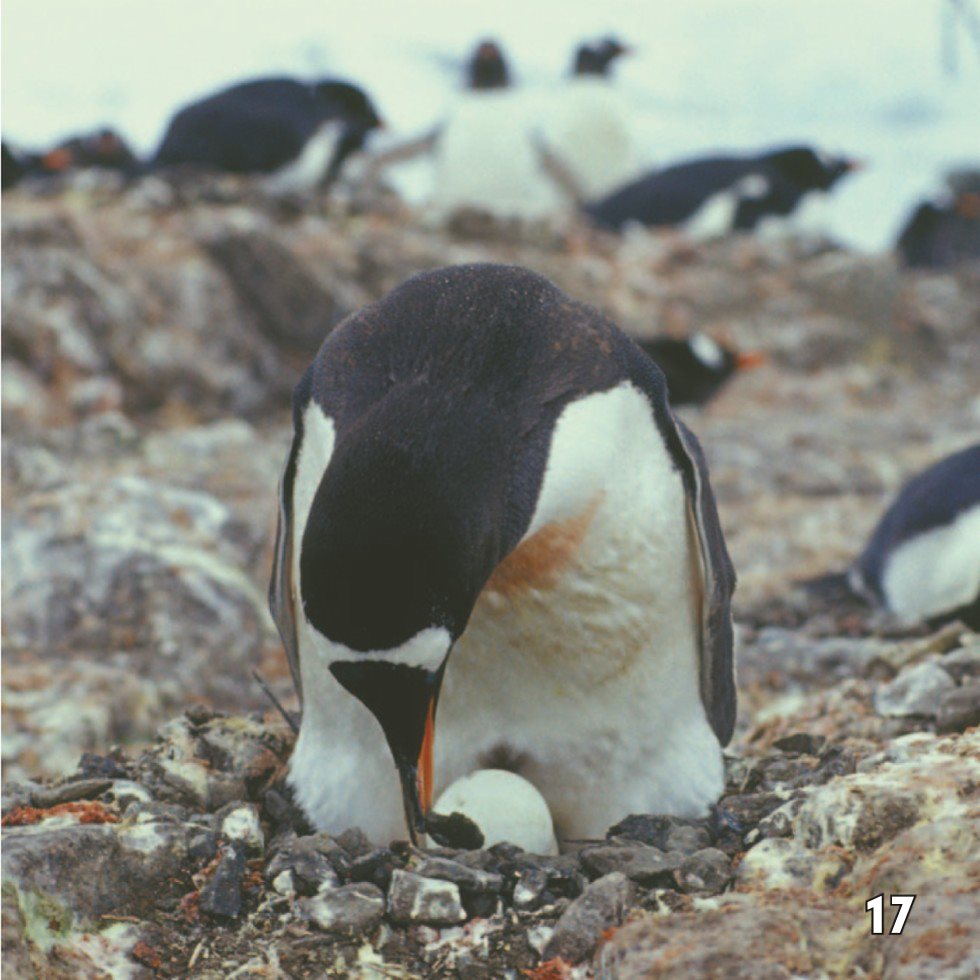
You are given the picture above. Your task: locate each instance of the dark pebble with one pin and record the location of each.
(375, 867)
(707, 872)
(202, 846)
(959, 709)
(80, 789)
(354, 841)
(601, 906)
(479, 890)
(647, 866)
(802, 742)
(221, 897)
(308, 860)
(91, 766)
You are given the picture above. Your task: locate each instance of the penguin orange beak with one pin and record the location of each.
(404, 701)
(750, 359)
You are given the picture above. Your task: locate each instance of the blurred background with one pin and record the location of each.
(893, 82)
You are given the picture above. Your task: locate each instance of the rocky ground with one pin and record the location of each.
(152, 334)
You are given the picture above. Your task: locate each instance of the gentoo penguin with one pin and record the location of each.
(922, 561)
(300, 132)
(587, 129)
(944, 232)
(103, 149)
(716, 195)
(696, 367)
(489, 508)
(16, 165)
(487, 154)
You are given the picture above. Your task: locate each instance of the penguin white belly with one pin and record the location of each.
(936, 571)
(588, 133)
(307, 170)
(487, 159)
(585, 674)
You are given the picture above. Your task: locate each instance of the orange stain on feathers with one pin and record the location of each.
(538, 561)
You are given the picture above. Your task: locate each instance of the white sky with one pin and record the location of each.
(864, 76)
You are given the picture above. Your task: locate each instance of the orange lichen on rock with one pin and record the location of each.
(87, 811)
(553, 969)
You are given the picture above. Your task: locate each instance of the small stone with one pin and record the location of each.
(202, 846)
(478, 889)
(221, 897)
(310, 867)
(962, 663)
(916, 691)
(79, 789)
(959, 709)
(375, 867)
(239, 824)
(600, 907)
(707, 872)
(354, 841)
(350, 910)
(529, 889)
(646, 866)
(91, 766)
(802, 742)
(686, 839)
(747, 809)
(427, 901)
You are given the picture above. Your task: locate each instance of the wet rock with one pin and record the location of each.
(348, 910)
(707, 872)
(425, 901)
(959, 709)
(601, 906)
(221, 896)
(916, 691)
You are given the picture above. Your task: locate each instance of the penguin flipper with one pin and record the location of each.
(282, 592)
(715, 574)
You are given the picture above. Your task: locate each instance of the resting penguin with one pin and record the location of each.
(301, 132)
(922, 561)
(943, 232)
(717, 195)
(697, 367)
(489, 508)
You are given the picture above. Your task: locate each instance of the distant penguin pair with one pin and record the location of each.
(103, 149)
(722, 194)
(460, 542)
(299, 133)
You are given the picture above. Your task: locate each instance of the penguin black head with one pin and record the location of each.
(348, 102)
(697, 366)
(808, 169)
(596, 58)
(487, 67)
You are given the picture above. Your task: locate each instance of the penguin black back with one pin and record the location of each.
(262, 125)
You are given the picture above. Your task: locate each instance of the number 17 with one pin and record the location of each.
(876, 907)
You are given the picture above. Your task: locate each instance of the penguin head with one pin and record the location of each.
(595, 58)
(810, 169)
(341, 100)
(487, 67)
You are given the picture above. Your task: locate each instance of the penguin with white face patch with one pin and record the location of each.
(922, 561)
(697, 367)
(489, 508)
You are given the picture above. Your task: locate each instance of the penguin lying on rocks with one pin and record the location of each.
(301, 132)
(490, 509)
(103, 149)
(696, 367)
(717, 195)
(922, 561)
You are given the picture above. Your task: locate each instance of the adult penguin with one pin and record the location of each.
(300, 132)
(490, 508)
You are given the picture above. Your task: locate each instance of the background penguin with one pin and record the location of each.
(301, 132)
(456, 483)
(716, 195)
(942, 233)
(486, 152)
(587, 129)
(697, 367)
(103, 149)
(922, 561)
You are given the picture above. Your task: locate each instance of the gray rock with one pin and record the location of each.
(478, 889)
(601, 906)
(238, 823)
(424, 901)
(350, 910)
(706, 872)
(646, 866)
(959, 709)
(963, 662)
(221, 896)
(307, 861)
(916, 691)
(529, 889)
(375, 867)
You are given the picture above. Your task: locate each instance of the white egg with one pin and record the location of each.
(505, 807)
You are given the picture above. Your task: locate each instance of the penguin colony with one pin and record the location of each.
(460, 548)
